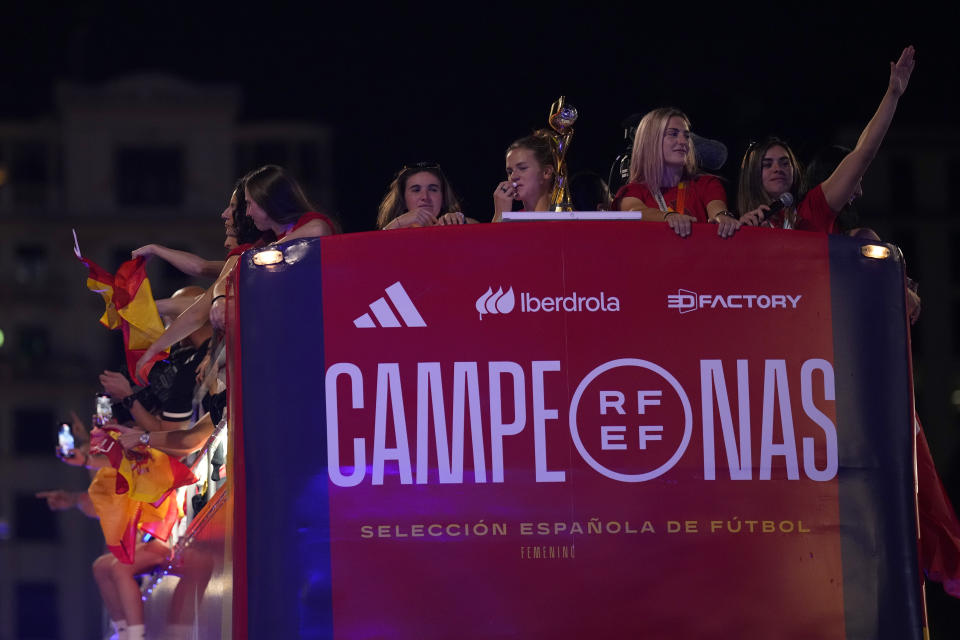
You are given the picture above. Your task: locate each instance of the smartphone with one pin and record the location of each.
(65, 442)
(104, 410)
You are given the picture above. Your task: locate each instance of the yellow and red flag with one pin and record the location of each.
(138, 491)
(129, 305)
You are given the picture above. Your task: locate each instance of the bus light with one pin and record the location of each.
(268, 256)
(875, 251)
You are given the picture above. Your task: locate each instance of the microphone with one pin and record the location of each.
(785, 200)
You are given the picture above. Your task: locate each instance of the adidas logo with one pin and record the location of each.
(409, 316)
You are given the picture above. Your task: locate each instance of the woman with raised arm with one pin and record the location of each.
(240, 234)
(770, 169)
(420, 196)
(665, 182)
(531, 174)
(239, 229)
(277, 205)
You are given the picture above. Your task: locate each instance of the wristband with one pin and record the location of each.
(729, 214)
(215, 298)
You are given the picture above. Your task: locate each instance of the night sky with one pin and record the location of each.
(457, 84)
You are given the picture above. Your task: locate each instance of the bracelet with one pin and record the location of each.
(215, 298)
(668, 213)
(725, 212)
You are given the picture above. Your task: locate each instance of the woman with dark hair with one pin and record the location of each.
(420, 196)
(665, 182)
(241, 234)
(531, 175)
(770, 169)
(276, 203)
(240, 231)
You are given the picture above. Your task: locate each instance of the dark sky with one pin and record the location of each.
(457, 84)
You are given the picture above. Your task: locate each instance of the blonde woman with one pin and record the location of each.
(665, 182)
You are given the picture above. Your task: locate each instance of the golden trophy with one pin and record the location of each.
(562, 117)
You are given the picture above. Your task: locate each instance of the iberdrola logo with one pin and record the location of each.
(496, 302)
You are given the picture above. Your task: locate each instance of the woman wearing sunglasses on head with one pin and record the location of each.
(420, 196)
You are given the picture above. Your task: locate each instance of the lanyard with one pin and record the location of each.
(681, 198)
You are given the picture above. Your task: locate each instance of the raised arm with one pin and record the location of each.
(842, 183)
(187, 322)
(172, 307)
(189, 263)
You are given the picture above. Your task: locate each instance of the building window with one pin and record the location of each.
(33, 344)
(30, 264)
(38, 614)
(28, 172)
(34, 431)
(33, 520)
(150, 176)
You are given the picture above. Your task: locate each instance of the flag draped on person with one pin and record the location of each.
(129, 306)
(138, 491)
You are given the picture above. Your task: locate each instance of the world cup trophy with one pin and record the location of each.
(562, 117)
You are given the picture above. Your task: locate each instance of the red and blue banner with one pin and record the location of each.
(574, 429)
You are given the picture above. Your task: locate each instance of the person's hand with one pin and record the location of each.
(77, 458)
(129, 436)
(202, 368)
(419, 217)
(80, 432)
(453, 217)
(58, 499)
(900, 72)
(726, 225)
(504, 195)
(681, 223)
(115, 384)
(146, 252)
(141, 367)
(913, 306)
(755, 217)
(218, 313)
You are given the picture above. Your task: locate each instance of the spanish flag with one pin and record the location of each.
(138, 491)
(129, 306)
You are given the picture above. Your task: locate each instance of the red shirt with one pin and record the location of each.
(700, 190)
